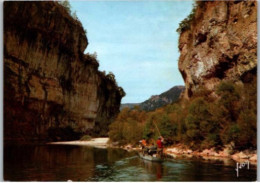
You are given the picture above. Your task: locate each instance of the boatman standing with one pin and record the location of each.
(159, 143)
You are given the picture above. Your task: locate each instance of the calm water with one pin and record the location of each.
(79, 163)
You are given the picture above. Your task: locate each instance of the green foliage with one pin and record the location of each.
(202, 122)
(247, 125)
(198, 121)
(128, 127)
(212, 140)
(85, 138)
(66, 5)
(158, 119)
(167, 128)
(237, 114)
(93, 56)
(230, 134)
(229, 104)
(111, 76)
(186, 23)
(74, 15)
(121, 91)
(148, 132)
(116, 131)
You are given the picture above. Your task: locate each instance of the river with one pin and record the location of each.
(82, 163)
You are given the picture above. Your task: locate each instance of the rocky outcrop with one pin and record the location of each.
(218, 42)
(50, 85)
(156, 101)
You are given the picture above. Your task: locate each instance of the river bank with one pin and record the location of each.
(101, 142)
(175, 151)
(227, 153)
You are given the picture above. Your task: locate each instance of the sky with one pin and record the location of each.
(137, 41)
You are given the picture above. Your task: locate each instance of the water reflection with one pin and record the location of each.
(48, 163)
(154, 168)
(79, 163)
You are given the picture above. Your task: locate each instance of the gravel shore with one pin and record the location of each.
(95, 142)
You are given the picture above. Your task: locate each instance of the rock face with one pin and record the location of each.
(220, 44)
(49, 84)
(157, 101)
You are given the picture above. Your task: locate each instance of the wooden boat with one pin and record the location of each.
(154, 157)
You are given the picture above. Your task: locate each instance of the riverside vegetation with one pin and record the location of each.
(202, 122)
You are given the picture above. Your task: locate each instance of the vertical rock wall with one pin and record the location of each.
(219, 43)
(49, 84)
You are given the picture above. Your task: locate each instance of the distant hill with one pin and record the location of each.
(129, 105)
(156, 101)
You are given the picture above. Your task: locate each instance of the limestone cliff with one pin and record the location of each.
(218, 41)
(49, 83)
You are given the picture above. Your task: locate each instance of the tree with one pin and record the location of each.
(228, 104)
(128, 127)
(66, 5)
(111, 76)
(201, 126)
(247, 127)
(94, 54)
(185, 24)
(121, 91)
(74, 15)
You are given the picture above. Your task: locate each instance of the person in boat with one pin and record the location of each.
(159, 143)
(143, 145)
(152, 149)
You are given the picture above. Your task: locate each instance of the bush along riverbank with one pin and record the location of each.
(201, 126)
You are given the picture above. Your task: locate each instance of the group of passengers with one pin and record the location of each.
(152, 149)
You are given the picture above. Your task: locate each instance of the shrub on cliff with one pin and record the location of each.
(66, 5)
(185, 24)
(121, 91)
(112, 78)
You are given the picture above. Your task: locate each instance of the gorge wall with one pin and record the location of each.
(49, 83)
(218, 41)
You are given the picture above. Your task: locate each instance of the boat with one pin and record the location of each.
(154, 157)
